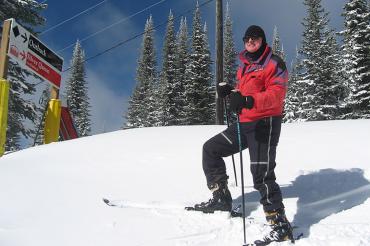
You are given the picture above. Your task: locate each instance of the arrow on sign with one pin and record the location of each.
(23, 55)
(24, 36)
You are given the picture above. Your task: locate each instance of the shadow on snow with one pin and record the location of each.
(320, 194)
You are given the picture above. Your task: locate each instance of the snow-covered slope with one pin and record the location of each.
(52, 194)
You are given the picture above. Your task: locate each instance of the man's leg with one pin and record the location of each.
(219, 146)
(262, 149)
(222, 145)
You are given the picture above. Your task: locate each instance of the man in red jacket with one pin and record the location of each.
(259, 100)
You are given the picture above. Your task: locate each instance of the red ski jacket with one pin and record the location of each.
(266, 80)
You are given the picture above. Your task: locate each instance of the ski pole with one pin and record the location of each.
(242, 174)
(232, 156)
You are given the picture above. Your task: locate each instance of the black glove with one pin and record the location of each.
(224, 89)
(238, 102)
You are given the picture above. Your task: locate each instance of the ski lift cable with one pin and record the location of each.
(138, 35)
(73, 17)
(116, 23)
(120, 21)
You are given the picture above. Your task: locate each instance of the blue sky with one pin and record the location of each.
(111, 77)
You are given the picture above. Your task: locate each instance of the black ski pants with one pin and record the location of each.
(261, 138)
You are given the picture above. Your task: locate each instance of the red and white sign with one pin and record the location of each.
(33, 55)
(43, 69)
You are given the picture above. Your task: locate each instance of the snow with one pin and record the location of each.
(52, 194)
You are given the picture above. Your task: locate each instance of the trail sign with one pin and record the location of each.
(33, 55)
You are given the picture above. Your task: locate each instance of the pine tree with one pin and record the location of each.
(20, 109)
(142, 110)
(40, 120)
(293, 99)
(210, 110)
(277, 46)
(317, 76)
(356, 57)
(182, 59)
(230, 54)
(199, 94)
(27, 13)
(168, 83)
(77, 92)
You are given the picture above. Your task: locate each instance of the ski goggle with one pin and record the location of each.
(246, 39)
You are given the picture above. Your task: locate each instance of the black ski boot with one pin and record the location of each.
(221, 200)
(281, 230)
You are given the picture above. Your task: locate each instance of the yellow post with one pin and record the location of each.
(52, 121)
(4, 97)
(4, 85)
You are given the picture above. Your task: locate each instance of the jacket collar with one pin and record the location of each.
(261, 61)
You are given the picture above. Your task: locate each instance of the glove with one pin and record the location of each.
(238, 102)
(224, 89)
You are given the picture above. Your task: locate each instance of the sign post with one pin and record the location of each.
(4, 49)
(33, 55)
(4, 85)
(52, 121)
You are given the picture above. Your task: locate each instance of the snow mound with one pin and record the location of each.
(52, 194)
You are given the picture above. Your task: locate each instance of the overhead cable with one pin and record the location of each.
(138, 35)
(106, 28)
(73, 17)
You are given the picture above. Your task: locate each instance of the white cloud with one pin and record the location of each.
(107, 108)
(108, 25)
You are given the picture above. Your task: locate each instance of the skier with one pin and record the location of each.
(259, 100)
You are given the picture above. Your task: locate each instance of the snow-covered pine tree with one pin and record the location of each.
(230, 54)
(182, 59)
(199, 96)
(318, 79)
(277, 46)
(169, 110)
(211, 112)
(20, 109)
(40, 120)
(293, 100)
(77, 92)
(356, 58)
(27, 13)
(142, 110)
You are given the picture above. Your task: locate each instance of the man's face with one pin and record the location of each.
(252, 44)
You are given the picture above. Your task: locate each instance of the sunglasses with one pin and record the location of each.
(246, 39)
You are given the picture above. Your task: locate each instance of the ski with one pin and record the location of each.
(138, 205)
(108, 202)
(142, 205)
(235, 212)
(262, 243)
(126, 204)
